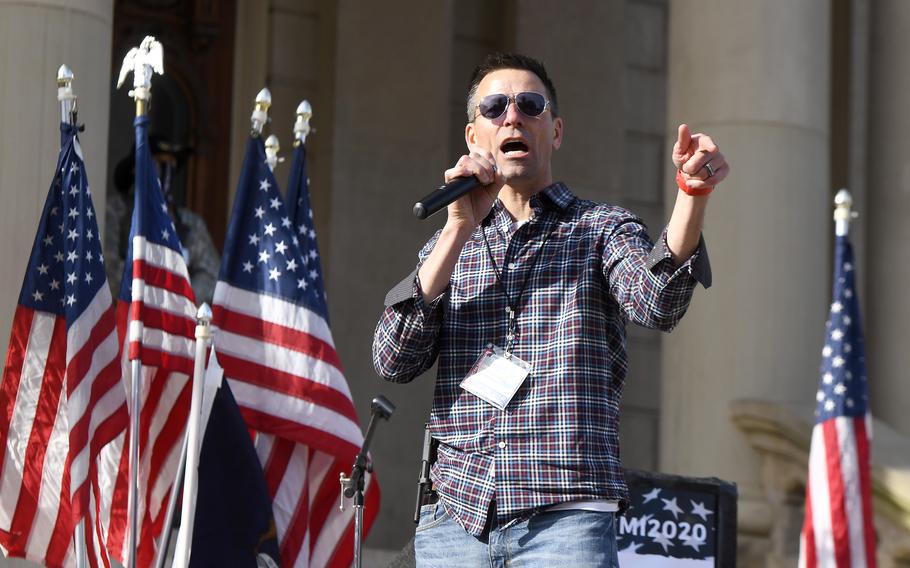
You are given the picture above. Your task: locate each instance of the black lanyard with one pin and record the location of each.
(513, 306)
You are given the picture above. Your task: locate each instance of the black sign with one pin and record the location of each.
(676, 521)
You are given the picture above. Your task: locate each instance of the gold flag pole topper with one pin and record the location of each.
(144, 61)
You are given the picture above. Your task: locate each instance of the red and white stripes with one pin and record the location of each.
(838, 530)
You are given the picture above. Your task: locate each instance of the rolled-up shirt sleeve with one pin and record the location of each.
(643, 279)
(404, 343)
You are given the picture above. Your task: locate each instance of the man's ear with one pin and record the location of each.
(470, 136)
(557, 133)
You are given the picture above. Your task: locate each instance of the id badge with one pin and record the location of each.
(496, 376)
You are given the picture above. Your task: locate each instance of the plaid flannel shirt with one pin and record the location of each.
(558, 438)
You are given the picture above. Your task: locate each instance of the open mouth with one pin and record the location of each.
(514, 148)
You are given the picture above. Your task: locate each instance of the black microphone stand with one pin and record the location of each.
(352, 486)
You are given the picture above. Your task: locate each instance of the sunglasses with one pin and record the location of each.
(529, 103)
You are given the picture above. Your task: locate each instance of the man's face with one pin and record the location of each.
(521, 145)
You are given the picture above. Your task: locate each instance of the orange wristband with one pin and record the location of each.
(681, 183)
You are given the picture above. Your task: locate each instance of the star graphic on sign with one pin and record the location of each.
(88, 190)
(275, 203)
(836, 307)
(71, 277)
(48, 240)
(264, 256)
(850, 403)
(55, 284)
(652, 495)
(848, 375)
(89, 213)
(280, 247)
(73, 213)
(54, 210)
(42, 269)
(38, 296)
(74, 190)
(670, 505)
(839, 388)
(837, 362)
(301, 283)
(313, 254)
(700, 510)
(59, 256)
(70, 300)
(633, 547)
(88, 278)
(837, 335)
(71, 256)
(292, 265)
(848, 267)
(310, 212)
(247, 266)
(827, 378)
(270, 229)
(662, 540)
(73, 235)
(301, 229)
(819, 396)
(89, 256)
(695, 543)
(829, 405)
(285, 222)
(847, 348)
(295, 241)
(848, 293)
(254, 239)
(826, 351)
(165, 235)
(264, 185)
(74, 168)
(313, 275)
(90, 235)
(274, 274)
(312, 234)
(847, 320)
(260, 212)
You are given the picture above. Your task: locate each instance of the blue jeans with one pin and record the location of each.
(580, 539)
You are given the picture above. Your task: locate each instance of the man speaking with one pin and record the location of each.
(524, 296)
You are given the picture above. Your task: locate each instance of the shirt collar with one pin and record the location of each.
(556, 196)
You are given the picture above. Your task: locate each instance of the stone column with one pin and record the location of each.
(755, 75)
(390, 147)
(36, 37)
(886, 218)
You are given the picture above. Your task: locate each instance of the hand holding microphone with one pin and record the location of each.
(476, 171)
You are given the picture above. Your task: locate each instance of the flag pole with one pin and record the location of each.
(302, 125)
(843, 213)
(143, 62)
(194, 443)
(67, 100)
(272, 147)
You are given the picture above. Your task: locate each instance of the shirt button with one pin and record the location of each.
(511, 266)
(502, 445)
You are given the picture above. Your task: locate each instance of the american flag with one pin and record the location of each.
(838, 529)
(277, 351)
(61, 397)
(156, 314)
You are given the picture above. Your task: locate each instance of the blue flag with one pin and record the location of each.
(234, 524)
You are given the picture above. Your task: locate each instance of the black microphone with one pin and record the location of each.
(444, 195)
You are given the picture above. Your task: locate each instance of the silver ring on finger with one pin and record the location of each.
(710, 168)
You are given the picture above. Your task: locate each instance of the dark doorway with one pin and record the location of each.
(191, 103)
